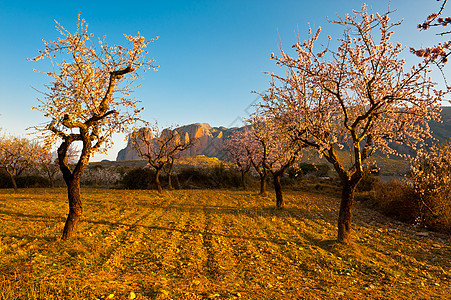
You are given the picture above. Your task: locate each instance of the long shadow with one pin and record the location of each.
(250, 211)
(192, 232)
(30, 238)
(32, 216)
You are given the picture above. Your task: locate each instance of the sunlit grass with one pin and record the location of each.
(195, 244)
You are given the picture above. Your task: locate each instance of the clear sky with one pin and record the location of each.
(212, 54)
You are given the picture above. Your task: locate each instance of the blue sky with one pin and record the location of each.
(212, 54)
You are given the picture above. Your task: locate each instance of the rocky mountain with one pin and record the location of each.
(209, 141)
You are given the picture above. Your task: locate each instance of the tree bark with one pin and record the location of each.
(263, 184)
(243, 179)
(51, 175)
(170, 182)
(13, 180)
(157, 181)
(75, 208)
(345, 214)
(72, 180)
(278, 190)
(171, 165)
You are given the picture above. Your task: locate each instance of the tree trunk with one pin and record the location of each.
(171, 165)
(278, 190)
(243, 179)
(263, 184)
(345, 214)
(49, 173)
(13, 180)
(170, 182)
(157, 181)
(75, 208)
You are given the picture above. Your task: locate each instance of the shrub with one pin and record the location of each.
(209, 177)
(139, 178)
(5, 180)
(395, 199)
(368, 182)
(32, 181)
(318, 170)
(430, 177)
(100, 176)
(27, 181)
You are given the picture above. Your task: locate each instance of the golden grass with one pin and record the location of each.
(220, 244)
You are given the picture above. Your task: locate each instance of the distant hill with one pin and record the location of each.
(442, 131)
(210, 140)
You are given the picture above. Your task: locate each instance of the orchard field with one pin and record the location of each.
(211, 244)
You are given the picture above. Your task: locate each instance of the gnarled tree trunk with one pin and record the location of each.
(345, 214)
(72, 180)
(75, 208)
(157, 180)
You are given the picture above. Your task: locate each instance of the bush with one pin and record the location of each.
(5, 180)
(430, 177)
(32, 181)
(213, 177)
(100, 176)
(28, 181)
(395, 199)
(138, 179)
(318, 170)
(368, 182)
(186, 178)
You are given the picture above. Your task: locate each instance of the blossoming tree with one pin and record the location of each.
(278, 148)
(359, 96)
(237, 148)
(159, 147)
(88, 100)
(16, 155)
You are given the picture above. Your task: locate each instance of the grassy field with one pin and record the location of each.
(211, 244)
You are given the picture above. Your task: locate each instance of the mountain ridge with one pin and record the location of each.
(210, 140)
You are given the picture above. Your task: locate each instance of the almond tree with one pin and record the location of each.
(359, 95)
(88, 100)
(238, 150)
(16, 155)
(279, 148)
(249, 149)
(159, 147)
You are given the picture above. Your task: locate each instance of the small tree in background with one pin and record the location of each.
(238, 151)
(248, 149)
(16, 155)
(47, 161)
(358, 95)
(158, 147)
(279, 148)
(88, 100)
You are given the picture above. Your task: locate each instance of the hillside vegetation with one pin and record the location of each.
(211, 244)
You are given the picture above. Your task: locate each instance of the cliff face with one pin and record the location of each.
(209, 141)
